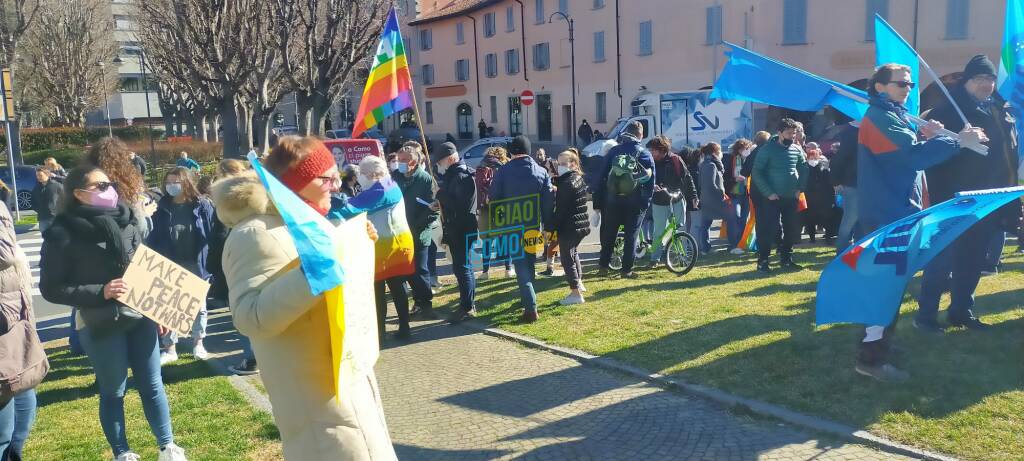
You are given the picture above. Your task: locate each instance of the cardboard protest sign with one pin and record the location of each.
(354, 306)
(164, 291)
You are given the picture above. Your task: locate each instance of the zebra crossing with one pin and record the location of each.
(32, 243)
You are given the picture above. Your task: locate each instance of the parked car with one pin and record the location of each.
(474, 154)
(376, 134)
(338, 134)
(26, 176)
(400, 136)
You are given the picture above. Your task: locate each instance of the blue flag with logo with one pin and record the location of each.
(865, 283)
(890, 47)
(1011, 63)
(749, 76)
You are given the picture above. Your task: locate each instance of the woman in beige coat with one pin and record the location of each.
(272, 305)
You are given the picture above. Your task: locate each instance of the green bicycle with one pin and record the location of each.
(680, 248)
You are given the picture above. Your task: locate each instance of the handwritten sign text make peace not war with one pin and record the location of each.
(163, 291)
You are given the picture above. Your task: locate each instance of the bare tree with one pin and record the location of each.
(331, 38)
(63, 47)
(16, 17)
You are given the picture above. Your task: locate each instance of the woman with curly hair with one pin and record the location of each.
(113, 157)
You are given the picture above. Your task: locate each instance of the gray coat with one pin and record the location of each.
(712, 189)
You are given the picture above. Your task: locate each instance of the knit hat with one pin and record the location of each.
(446, 150)
(520, 145)
(979, 65)
(315, 164)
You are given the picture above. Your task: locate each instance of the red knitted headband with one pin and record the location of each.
(316, 163)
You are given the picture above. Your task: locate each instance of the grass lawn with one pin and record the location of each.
(212, 421)
(724, 326)
(28, 219)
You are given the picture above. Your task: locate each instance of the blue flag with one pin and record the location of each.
(865, 283)
(310, 231)
(1011, 62)
(749, 76)
(890, 47)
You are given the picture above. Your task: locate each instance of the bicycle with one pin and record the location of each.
(680, 248)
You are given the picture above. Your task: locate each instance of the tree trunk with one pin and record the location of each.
(321, 106)
(261, 124)
(304, 106)
(215, 122)
(201, 127)
(177, 124)
(229, 123)
(245, 127)
(169, 125)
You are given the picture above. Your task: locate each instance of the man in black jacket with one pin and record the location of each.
(959, 267)
(844, 177)
(45, 198)
(674, 191)
(456, 200)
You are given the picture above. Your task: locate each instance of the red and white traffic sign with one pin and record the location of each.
(526, 97)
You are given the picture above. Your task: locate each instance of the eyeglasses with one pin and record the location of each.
(329, 181)
(904, 84)
(100, 186)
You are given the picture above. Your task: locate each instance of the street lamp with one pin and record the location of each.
(149, 114)
(106, 103)
(572, 64)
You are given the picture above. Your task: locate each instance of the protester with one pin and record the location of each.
(624, 192)
(740, 195)
(185, 162)
(843, 169)
(17, 333)
(521, 180)
(45, 197)
(271, 302)
(674, 192)
(139, 163)
(482, 127)
(715, 202)
(780, 175)
(889, 160)
(549, 165)
(95, 226)
(691, 159)
(959, 267)
(821, 196)
(350, 182)
(571, 221)
(456, 194)
(417, 187)
(182, 228)
(493, 159)
(584, 134)
(56, 170)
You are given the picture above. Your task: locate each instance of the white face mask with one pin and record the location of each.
(813, 162)
(393, 166)
(173, 189)
(562, 169)
(365, 182)
(746, 152)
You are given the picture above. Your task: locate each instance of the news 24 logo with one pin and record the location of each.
(513, 230)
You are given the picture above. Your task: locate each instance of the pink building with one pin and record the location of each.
(472, 58)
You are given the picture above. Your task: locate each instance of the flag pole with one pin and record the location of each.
(945, 91)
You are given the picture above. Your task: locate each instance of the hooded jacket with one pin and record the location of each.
(271, 303)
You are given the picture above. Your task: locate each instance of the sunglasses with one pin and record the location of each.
(100, 186)
(903, 84)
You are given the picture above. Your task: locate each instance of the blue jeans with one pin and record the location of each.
(728, 218)
(994, 251)
(525, 275)
(419, 281)
(848, 227)
(24, 416)
(198, 330)
(432, 260)
(111, 355)
(462, 267)
(75, 343)
(661, 214)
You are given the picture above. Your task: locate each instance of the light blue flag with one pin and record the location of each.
(865, 283)
(310, 231)
(1011, 63)
(749, 76)
(890, 47)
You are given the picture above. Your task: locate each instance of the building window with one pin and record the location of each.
(599, 46)
(713, 34)
(870, 8)
(462, 70)
(494, 109)
(429, 109)
(598, 4)
(489, 25)
(957, 13)
(426, 39)
(563, 6)
(460, 33)
(541, 56)
(123, 22)
(602, 107)
(646, 38)
(510, 19)
(539, 4)
(492, 65)
(794, 22)
(427, 73)
(512, 62)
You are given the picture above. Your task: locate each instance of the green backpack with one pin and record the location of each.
(626, 175)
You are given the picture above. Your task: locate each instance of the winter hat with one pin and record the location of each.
(979, 65)
(520, 145)
(315, 164)
(445, 151)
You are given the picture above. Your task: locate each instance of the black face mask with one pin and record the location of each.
(787, 142)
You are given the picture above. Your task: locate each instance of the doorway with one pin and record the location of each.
(544, 117)
(464, 121)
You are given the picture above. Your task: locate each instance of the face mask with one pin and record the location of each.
(403, 168)
(173, 190)
(105, 199)
(813, 162)
(562, 169)
(365, 182)
(441, 168)
(787, 142)
(746, 153)
(393, 166)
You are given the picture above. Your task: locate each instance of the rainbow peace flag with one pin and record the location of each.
(748, 240)
(393, 250)
(389, 87)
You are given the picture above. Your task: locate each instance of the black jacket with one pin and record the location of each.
(140, 165)
(821, 195)
(218, 281)
(843, 164)
(45, 199)
(456, 191)
(75, 265)
(748, 172)
(571, 218)
(673, 178)
(969, 170)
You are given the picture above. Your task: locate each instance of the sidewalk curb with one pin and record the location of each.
(242, 385)
(832, 428)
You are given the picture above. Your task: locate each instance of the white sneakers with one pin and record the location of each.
(172, 452)
(736, 251)
(128, 456)
(168, 356)
(200, 352)
(572, 299)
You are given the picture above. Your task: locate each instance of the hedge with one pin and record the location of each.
(34, 139)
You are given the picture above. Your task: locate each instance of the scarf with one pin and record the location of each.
(95, 224)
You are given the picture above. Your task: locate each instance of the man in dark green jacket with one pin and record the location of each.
(780, 175)
(418, 193)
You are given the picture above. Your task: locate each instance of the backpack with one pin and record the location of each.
(626, 175)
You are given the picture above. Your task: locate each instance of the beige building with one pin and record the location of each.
(471, 59)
